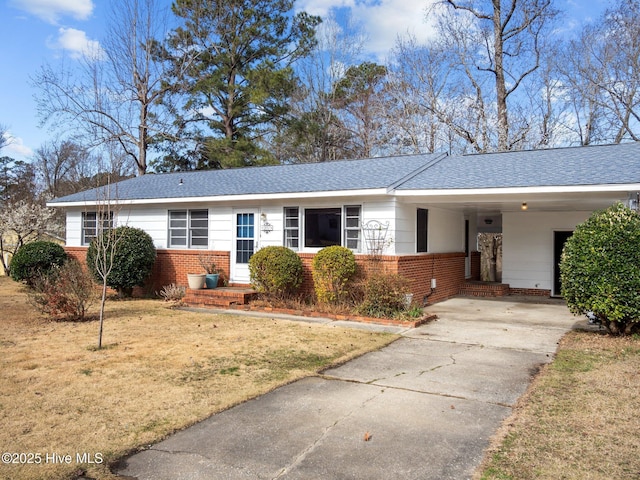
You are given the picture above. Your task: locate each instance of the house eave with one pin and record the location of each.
(551, 189)
(227, 198)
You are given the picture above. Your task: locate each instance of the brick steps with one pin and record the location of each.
(484, 289)
(219, 297)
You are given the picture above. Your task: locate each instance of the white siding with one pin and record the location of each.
(445, 229)
(383, 211)
(271, 217)
(151, 220)
(74, 228)
(221, 228)
(405, 232)
(527, 246)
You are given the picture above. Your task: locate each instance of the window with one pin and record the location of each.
(422, 229)
(292, 227)
(91, 228)
(189, 228)
(245, 239)
(322, 227)
(352, 227)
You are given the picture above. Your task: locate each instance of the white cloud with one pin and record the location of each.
(322, 7)
(76, 43)
(51, 10)
(381, 20)
(15, 148)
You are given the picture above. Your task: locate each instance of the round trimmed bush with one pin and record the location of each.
(276, 271)
(333, 268)
(600, 269)
(35, 259)
(133, 258)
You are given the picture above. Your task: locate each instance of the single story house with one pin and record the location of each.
(420, 213)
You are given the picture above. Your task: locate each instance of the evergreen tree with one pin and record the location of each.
(233, 75)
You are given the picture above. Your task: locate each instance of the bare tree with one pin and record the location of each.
(114, 94)
(498, 40)
(423, 111)
(4, 137)
(315, 132)
(602, 71)
(105, 244)
(62, 166)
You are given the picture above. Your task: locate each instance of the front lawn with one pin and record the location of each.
(580, 417)
(67, 407)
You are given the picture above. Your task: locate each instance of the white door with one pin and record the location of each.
(244, 244)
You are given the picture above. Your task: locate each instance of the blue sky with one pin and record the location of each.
(35, 32)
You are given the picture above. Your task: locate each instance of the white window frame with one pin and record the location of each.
(91, 228)
(352, 227)
(189, 228)
(292, 228)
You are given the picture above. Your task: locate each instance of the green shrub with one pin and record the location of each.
(276, 271)
(333, 268)
(66, 292)
(35, 259)
(600, 269)
(384, 295)
(133, 258)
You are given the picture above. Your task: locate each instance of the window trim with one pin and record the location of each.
(335, 212)
(97, 228)
(422, 237)
(358, 228)
(189, 229)
(291, 234)
(344, 230)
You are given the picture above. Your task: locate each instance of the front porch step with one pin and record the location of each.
(484, 289)
(219, 297)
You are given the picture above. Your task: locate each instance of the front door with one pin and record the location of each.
(558, 244)
(244, 245)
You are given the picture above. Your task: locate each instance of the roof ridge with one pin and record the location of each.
(417, 171)
(551, 149)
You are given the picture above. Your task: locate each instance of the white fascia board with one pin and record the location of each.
(231, 198)
(519, 190)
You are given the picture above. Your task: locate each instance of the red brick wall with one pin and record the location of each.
(446, 268)
(475, 266)
(172, 266)
(537, 292)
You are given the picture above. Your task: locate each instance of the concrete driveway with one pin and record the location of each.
(424, 407)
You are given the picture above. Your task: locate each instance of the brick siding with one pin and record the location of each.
(172, 266)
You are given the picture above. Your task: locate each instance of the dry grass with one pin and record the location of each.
(161, 370)
(580, 418)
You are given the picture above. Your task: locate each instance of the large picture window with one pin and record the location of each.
(189, 228)
(94, 223)
(324, 227)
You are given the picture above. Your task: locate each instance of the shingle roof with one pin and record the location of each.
(592, 165)
(302, 178)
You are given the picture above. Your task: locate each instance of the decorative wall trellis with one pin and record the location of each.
(375, 236)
